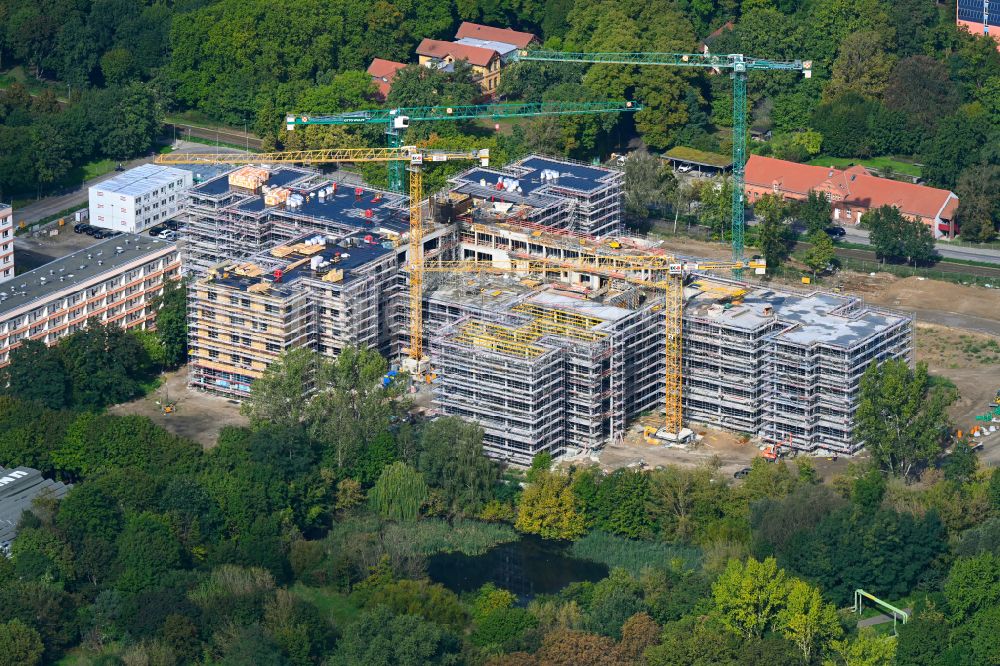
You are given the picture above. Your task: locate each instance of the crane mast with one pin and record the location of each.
(397, 120)
(739, 65)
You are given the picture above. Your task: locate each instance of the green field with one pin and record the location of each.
(880, 163)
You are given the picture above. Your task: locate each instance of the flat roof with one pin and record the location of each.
(105, 257)
(535, 191)
(587, 308)
(347, 207)
(340, 256)
(699, 157)
(141, 179)
(801, 319)
(18, 489)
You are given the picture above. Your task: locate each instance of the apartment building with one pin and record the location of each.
(115, 281)
(139, 198)
(979, 17)
(6, 242)
(544, 192)
(315, 293)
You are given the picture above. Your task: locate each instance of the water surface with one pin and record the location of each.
(527, 567)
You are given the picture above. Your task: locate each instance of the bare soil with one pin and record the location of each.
(717, 447)
(197, 415)
(972, 362)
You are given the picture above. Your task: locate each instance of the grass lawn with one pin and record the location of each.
(34, 86)
(874, 163)
(330, 604)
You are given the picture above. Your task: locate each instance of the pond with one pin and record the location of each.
(527, 567)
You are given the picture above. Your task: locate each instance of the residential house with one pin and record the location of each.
(853, 192)
(382, 73)
(485, 62)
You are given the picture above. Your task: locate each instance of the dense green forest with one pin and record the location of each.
(304, 538)
(892, 79)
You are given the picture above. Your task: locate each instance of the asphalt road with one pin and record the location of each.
(860, 236)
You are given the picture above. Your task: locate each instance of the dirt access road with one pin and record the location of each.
(198, 416)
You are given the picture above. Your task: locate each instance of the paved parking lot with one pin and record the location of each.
(40, 247)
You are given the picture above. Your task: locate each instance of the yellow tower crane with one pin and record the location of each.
(411, 155)
(652, 271)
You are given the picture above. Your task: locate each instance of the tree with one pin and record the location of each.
(36, 373)
(379, 638)
(648, 184)
(749, 596)
(954, 146)
(979, 202)
(565, 647)
(868, 649)
(352, 406)
(923, 639)
(771, 235)
(820, 253)
(815, 212)
(839, 551)
(960, 465)
(20, 645)
(807, 620)
(147, 548)
(843, 122)
(399, 492)
(171, 322)
(695, 641)
(893, 235)
(105, 364)
(973, 584)
(549, 508)
(862, 66)
(621, 505)
(278, 397)
(451, 458)
(828, 24)
(918, 88)
(133, 121)
(900, 418)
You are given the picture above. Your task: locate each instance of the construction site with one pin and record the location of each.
(532, 325)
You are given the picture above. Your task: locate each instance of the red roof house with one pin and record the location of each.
(488, 33)
(852, 191)
(439, 50)
(382, 73)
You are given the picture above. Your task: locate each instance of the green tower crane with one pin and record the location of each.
(397, 120)
(739, 65)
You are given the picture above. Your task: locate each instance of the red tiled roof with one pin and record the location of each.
(435, 48)
(853, 186)
(383, 72)
(487, 32)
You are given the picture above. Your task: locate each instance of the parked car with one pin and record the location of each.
(684, 168)
(80, 228)
(156, 231)
(90, 231)
(169, 235)
(173, 225)
(836, 232)
(742, 474)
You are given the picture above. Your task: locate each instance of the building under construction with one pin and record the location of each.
(554, 362)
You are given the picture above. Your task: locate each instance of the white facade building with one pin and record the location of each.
(139, 198)
(115, 280)
(6, 242)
